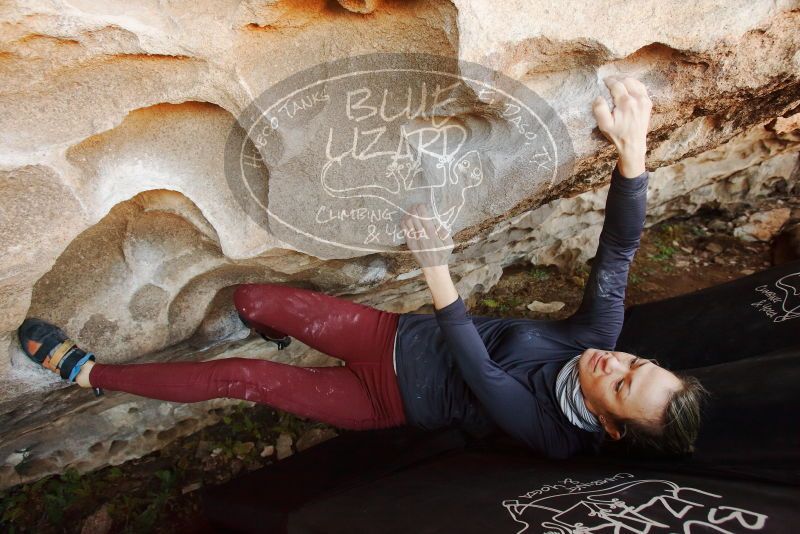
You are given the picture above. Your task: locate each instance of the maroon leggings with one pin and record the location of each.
(363, 394)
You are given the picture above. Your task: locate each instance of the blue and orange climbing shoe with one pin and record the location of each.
(55, 352)
(282, 342)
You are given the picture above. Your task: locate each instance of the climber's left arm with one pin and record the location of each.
(598, 321)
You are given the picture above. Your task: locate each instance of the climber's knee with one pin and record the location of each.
(243, 298)
(249, 297)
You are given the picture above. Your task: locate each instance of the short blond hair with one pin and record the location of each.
(676, 431)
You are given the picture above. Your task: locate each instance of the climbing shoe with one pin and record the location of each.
(56, 352)
(282, 342)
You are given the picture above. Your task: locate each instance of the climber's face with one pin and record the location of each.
(622, 385)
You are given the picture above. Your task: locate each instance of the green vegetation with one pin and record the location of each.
(240, 421)
(678, 231)
(291, 424)
(503, 307)
(64, 492)
(580, 275)
(664, 252)
(490, 303)
(698, 231)
(539, 273)
(12, 509)
(667, 240)
(57, 501)
(140, 514)
(57, 495)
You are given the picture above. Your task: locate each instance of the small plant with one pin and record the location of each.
(580, 275)
(241, 422)
(114, 473)
(664, 252)
(231, 448)
(502, 307)
(490, 303)
(515, 302)
(158, 500)
(539, 273)
(289, 424)
(676, 231)
(12, 509)
(140, 513)
(125, 508)
(64, 492)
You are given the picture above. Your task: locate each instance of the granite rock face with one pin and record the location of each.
(117, 222)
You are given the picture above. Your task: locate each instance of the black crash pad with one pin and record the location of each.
(741, 339)
(746, 317)
(493, 492)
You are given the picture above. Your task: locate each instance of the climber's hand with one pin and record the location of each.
(430, 247)
(626, 127)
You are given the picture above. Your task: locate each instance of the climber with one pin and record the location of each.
(558, 386)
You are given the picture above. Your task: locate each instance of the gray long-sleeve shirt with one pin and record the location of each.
(480, 373)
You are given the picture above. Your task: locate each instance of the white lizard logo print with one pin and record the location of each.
(782, 303)
(621, 503)
(790, 284)
(442, 186)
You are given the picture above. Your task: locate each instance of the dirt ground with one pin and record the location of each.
(157, 493)
(675, 257)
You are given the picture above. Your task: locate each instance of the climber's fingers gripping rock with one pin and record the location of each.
(626, 126)
(429, 246)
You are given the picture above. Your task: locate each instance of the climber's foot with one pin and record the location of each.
(273, 335)
(48, 346)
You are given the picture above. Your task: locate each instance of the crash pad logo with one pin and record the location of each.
(331, 159)
(623, 503)
(781, 302)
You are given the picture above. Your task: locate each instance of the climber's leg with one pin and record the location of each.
(363, 394)
(339, 396)
(335, 326)
(360, 335)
